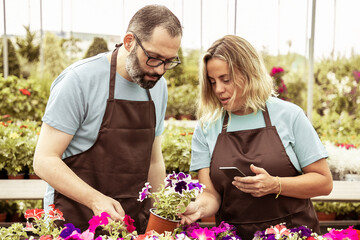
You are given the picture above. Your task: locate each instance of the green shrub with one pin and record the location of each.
(176, 148)
(22, 99)
(17, 145)
(182, 100)
(13, 60)
(98, 45)
(55, 60)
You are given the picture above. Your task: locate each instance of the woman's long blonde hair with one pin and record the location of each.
(246, 70)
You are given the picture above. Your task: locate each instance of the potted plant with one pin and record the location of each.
(3, 210)
(17, 146)
(346, 210)
(174, 196)
(325, 210)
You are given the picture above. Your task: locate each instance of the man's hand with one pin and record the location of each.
(109, 205)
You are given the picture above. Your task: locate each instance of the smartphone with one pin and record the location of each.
(232, 172)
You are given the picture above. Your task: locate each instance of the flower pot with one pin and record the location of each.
(160, 224)
(34, 176)
(210, 219)
(3, 217)
(17, 176)
(326, 216)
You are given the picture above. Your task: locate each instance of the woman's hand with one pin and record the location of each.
(260, 185)
(191, 214)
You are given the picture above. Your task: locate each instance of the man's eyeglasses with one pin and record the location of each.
(155, 62)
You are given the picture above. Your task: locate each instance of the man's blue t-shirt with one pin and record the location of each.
(78, 98)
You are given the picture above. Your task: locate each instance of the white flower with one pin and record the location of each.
(342, 160)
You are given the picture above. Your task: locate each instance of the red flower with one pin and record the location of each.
(25, 91)
(34, 213)
(6, 116)
(55, 213)
(129, 223)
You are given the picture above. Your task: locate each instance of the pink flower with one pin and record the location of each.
(203, 234)
(46, 237)
(29, 227)
(276, 70)
(279, 230)
(348, 233)
(87, 235)
(146, 235)
(98, 220)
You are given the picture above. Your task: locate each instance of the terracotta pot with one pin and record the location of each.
(160, 224)
(3, 217)
(326, 216)
(210, 219)
(34, 176)
(18, 176)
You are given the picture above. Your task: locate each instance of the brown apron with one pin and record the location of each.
(118, 163)
(263, 148)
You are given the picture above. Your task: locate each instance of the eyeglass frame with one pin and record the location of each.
(178, 61)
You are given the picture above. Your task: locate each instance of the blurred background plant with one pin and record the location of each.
(176, 147)
(17, 145)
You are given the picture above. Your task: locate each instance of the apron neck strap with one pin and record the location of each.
(266, 118)
(113, 71)
(225, 123)
(149, 95)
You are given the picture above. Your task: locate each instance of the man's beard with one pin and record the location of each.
(135, 72)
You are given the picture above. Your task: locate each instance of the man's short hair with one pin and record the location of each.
(150, 17)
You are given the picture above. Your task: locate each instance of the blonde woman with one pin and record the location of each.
(242, 124)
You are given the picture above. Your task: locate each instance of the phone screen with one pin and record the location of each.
(232, 172)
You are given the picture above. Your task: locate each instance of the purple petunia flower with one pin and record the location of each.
(193, 185)
(169, 183)
(182, 176)
(68, 230)
(144, 192)
(302, 230)
(180, 186)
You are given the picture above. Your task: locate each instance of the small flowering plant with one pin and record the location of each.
(277, 73)
(224, 231)
(42, 223)
(123, 230)
(174, 196)
(280, 231)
